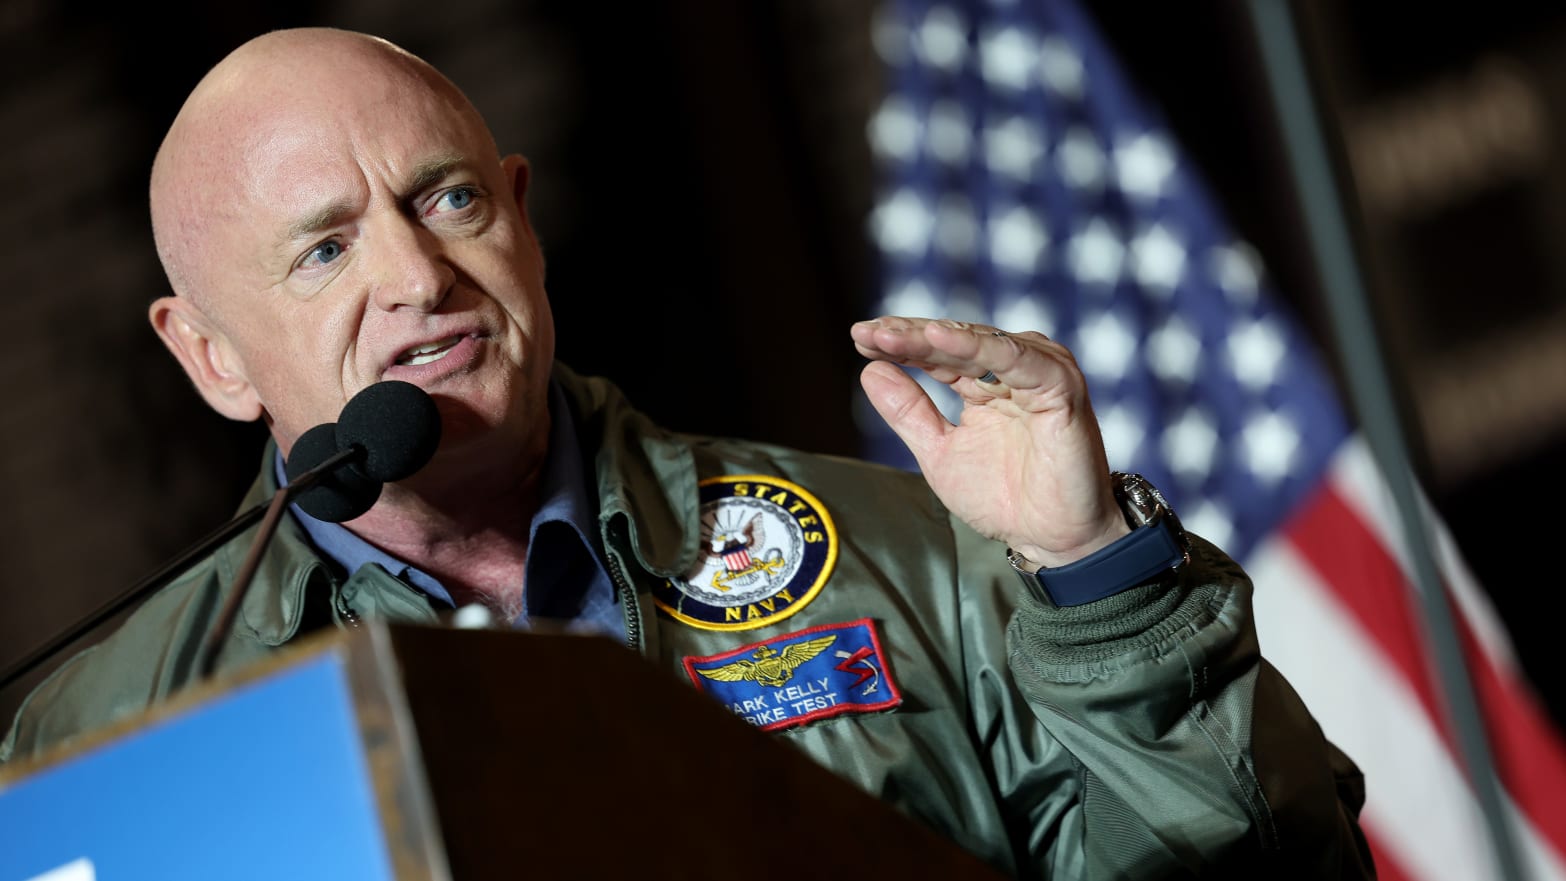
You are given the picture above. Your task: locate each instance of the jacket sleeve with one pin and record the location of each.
(1193, 755)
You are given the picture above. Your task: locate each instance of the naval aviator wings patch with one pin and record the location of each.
(799, 677)
(769, 547)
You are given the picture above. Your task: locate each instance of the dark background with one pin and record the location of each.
(702, 179)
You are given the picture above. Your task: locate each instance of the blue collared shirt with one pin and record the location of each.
(566, 581)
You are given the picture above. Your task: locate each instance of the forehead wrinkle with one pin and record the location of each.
(430, 172)
(322, 218)
(424, 175)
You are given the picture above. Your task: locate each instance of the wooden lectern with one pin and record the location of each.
(420, 752)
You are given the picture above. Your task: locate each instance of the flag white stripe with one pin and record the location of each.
(1418, 807)
(1357, 480)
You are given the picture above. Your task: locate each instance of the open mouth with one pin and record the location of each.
(429, 352)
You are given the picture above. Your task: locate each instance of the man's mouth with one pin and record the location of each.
(429, 352)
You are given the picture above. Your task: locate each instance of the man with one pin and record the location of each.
(332, 212)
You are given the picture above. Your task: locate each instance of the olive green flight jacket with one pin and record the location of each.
(1140, 736)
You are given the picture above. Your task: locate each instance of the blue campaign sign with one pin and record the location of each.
(265, 782)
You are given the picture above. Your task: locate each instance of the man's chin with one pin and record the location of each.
(464, 426)
(474, 441)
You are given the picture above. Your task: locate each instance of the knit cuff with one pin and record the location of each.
(1113, 626)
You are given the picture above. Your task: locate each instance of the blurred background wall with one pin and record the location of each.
(702, 182)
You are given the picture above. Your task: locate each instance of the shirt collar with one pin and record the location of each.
(563, 495)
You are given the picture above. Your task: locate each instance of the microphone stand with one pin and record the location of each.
(274, 515)
(269, 512)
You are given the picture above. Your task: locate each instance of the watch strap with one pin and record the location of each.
(1133, 559)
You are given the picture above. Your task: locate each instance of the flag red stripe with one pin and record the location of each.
(1354, 565)
(1529, 754)
(1387, 866)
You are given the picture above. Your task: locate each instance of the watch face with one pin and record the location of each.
(1141, 499)
(1146, 505)
(1158, 497)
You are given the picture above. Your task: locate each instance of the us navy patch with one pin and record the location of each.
(789, 680)
(769, 547)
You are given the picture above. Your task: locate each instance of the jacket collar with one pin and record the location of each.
(288, 573)
(648, 506)
(645, 475)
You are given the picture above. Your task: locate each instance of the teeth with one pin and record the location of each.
(429, 352)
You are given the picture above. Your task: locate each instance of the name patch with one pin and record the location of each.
(799, 677)
(770, 546)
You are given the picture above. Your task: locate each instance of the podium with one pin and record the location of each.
(411, 752)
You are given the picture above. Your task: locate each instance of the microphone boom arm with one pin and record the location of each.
(168, 570)
(391, 428)
(274, 515)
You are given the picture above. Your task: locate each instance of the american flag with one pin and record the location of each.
(1025, 184)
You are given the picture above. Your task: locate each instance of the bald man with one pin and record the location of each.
(1020, 648)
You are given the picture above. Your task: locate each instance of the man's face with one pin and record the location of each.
(374, 235)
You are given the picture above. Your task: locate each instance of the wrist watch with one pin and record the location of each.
(1157, 544)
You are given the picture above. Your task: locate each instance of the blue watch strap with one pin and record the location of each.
(1122, 564)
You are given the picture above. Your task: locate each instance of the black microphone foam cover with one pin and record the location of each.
(344, 494)
(396, 423)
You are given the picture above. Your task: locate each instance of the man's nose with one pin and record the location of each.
(414, 272)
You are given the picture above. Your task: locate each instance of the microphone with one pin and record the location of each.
(393, 427)
(390, 429)
(340, 494)
(386, 432)
(397, 425)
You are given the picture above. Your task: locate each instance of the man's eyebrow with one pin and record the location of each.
(322, 218)
(428, 173)
(424, 175)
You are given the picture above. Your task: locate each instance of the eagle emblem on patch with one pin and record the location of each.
(768, 547)
(770, 667)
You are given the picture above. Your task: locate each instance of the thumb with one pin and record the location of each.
(905, 407)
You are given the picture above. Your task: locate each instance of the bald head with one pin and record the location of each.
(332, 212)
(262, 92)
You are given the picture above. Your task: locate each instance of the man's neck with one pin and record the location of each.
(469, 529)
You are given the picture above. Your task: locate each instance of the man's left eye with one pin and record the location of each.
(454, 200)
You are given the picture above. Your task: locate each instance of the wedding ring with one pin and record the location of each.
(988, 381)
(994, 386)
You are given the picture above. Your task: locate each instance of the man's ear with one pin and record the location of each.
(519, 174)
(207, 357)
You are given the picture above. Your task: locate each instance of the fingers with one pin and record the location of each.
(963, 353)
(906, 408)
(919, 341)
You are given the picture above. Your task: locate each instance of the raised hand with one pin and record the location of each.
(1025, 463)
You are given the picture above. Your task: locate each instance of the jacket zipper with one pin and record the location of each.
(348, 616)
(633, 615)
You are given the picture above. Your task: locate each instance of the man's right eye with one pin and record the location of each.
(323, 253)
